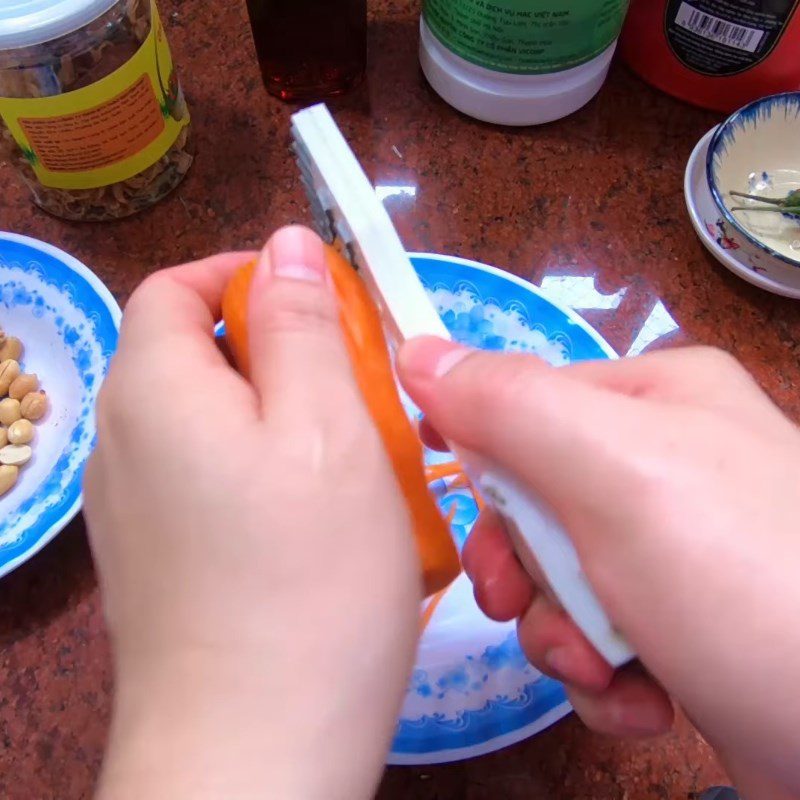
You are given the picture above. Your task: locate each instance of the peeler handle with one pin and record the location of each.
(548, 555)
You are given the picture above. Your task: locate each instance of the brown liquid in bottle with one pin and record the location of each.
(310, 49)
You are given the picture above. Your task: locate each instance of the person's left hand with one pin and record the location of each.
(255, 555)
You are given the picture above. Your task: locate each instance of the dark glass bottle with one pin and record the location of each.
(310, 49)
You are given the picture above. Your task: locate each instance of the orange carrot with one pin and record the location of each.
(369, 355)
(235, 305)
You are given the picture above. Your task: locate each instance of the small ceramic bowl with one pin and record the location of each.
(756, 152)
(68, 323)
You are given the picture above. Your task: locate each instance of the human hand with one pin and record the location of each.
(255, 556)
(678, 482)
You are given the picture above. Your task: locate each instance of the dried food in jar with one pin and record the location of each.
(95, 120)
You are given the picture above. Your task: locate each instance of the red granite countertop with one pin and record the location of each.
(597, 197)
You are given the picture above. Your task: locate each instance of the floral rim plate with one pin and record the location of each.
(721, 240)
(755, 151)
(472, 691)
(69, 323)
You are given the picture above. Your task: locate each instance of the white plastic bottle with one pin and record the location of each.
(519, 62)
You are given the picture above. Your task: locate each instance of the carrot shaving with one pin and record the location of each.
(437, 472)
(453, 469)
(430, 610)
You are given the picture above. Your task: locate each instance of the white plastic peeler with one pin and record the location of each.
(347, 209)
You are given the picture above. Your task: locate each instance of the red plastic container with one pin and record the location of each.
(719, 54)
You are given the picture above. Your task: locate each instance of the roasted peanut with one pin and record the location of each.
(19, 432)
(8, 477)
(15, 455)
(34, 406)
(11, 349)
(9, 372)
(22, 385)
(21, 403)
(9, 411)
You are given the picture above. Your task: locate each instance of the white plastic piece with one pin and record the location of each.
(346, 207)
(506, 99)
(546, 552)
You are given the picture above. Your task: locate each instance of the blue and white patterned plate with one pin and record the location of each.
(473, 691)
(69, 323)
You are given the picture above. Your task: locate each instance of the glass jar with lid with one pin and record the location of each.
(92, 114)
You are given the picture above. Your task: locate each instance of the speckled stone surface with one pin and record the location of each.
(590, 207)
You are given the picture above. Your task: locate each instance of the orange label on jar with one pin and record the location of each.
(101, 136)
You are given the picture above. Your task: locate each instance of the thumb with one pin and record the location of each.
(573, 443)
(298, 357)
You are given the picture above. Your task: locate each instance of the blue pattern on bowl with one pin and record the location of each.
(81, 319)
(500, 717)
(479, 700)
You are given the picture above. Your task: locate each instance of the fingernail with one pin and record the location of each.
(297, 253)
(560, 661)
(646, 719)
(572, 666)
(429, 358)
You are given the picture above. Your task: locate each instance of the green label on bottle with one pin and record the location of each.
(526, 37)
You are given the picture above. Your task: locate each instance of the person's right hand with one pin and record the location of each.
(679, 483)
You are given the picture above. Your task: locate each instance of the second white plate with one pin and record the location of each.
(720, 241)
